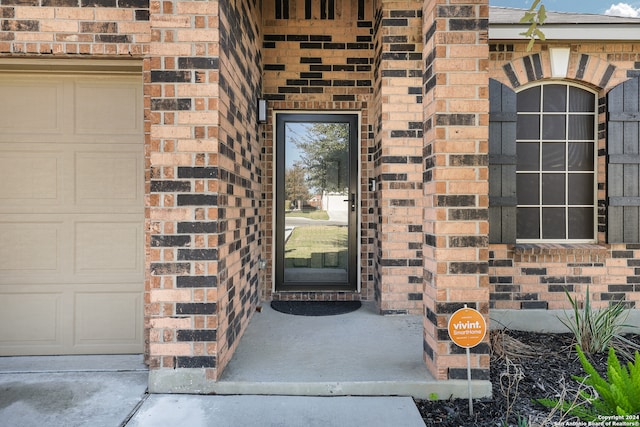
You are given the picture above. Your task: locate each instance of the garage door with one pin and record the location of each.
(71, 214)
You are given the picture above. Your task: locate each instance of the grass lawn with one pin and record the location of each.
(314, 214)
(305, 241)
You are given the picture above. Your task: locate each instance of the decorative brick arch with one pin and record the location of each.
(588, 69)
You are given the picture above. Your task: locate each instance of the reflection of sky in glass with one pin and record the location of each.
(294, 132)
(335, 168)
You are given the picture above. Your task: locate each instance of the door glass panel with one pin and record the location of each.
(317, 202)
(316, 197)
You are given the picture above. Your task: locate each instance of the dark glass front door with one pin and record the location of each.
(316, 201)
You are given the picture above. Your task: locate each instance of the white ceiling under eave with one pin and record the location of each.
(579, 32)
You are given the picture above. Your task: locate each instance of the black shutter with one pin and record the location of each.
(623, 161)
(503, 116)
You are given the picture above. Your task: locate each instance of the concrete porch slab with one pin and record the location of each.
(70, 391)
(281, 411)
(360, 354)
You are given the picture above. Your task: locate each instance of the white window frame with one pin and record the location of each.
(566, 170)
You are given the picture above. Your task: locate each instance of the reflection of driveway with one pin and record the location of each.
(302, 222)
(341, 216)
(290, 223)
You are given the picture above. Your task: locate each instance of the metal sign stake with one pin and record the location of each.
(469, 381)
(467, 328)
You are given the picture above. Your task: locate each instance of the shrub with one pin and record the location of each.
(594, 329)
(618, 396)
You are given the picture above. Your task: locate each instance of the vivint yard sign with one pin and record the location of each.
(467, 329)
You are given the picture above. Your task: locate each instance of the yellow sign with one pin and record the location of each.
(467, 327)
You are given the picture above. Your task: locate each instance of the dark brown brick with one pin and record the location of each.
(20, 25)
(60, 3)
(98, 27)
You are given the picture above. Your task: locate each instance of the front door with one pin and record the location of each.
(316, 202)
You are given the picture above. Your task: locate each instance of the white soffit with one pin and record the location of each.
(569, 32)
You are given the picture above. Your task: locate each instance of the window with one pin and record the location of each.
(282, 9)
(327, 9)
(555, 167)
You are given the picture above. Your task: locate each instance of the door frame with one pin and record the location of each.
(355, 277)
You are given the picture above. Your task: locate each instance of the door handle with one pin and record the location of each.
(352, 202)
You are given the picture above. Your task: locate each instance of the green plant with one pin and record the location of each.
(594, 329)
(520, 422)
(617, 397)
(535, 18)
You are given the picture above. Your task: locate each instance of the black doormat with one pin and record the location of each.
(315, 308)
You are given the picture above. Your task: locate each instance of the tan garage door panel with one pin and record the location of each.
(71, 214)
(18, 309)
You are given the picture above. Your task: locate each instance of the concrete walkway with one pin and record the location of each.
(272, 411)
(70, 391)
(109, 391)
(356, 369)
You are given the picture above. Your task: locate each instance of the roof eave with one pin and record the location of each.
(584, 32)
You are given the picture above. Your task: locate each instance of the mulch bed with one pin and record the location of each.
(546, 362)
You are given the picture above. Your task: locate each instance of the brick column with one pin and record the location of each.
(455, 87)
(182, 86)
(399, 158)
(203, 234)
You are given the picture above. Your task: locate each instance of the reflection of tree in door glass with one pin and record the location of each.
(323, 149)
(316, 187)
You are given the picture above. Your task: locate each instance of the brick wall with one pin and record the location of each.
(535, 276)
(74, 27)
(239, 162)
(318, 68)
(455, 179)
(398, 156)
(372, 50)
(205, 181)
(183, 85)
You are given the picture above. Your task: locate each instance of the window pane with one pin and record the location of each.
(528, 223)
(528, 156)
(553, 223)
(553, 127)
(527, 189)
(581, 223)
(553, 156)
(553, 189)
(581, 128)
(528, 126)
(554, 98)
(581, 189)
(581, 156)
(529, 100)
(581, 100)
